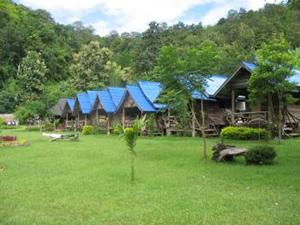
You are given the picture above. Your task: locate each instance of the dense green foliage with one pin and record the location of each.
(130, 56)
(243, 133)
(87, 183)
(261, 154)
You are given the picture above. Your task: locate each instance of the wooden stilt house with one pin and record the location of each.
(63, 110)
(233, 96)
(84, 107)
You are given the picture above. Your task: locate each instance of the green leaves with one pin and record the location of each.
(94, 68)
(275, 62)
(31, 76)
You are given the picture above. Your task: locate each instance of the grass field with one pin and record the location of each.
(88, 182)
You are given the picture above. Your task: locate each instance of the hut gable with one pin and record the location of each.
(136, 97)
(59, 109)
(117, 95)
(71, 104)
(82, 103)
(106, 101)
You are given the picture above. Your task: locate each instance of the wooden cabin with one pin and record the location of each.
(135, 105)
(63, 110)
(233, 97)
(84, 108)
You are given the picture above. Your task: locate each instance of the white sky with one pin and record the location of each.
(135, 15)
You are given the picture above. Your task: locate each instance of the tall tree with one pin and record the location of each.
(275, 63)
(31, 76)
(93, 68)
(183, 72)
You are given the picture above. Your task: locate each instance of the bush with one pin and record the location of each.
(2, 121)
(260, 155)
(87, 130)
(244, 133)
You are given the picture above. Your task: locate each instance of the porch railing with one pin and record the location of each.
(248, 118)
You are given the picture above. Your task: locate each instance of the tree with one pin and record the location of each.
(275, 62)
(130, 136)
(31, 76)
(93, 68)
(183, 72)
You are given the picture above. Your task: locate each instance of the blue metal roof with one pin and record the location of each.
(140, 99)
(150, 89)
(213, 83)
(106, 101)
(295, 78)
(117, 95)
(248, 66)
(71, 103)
(84, 102)
(92, 97)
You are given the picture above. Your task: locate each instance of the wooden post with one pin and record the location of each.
(123, 117)
(85, 120)
(232, 106)
(97, 117)
(108, 125)
(78, 121)
(67, 118)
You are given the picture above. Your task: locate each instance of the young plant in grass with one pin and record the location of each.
(130, 136)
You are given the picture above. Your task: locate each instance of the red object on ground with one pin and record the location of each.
(8, 138)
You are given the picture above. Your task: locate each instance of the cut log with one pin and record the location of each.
(231, 152)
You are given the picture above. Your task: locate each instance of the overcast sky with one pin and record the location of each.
(135, 15)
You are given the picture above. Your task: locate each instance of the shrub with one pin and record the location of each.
(2, 121)
(260, 155)
(244, 133)
(87, 130)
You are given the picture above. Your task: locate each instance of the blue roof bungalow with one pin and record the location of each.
(233, 94)
(140, 99)
(84, 106)
(213, 111)
(110, 100)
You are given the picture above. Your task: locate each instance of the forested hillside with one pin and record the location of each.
(71, 58)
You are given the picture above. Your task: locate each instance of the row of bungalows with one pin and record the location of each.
(111, 105)
(225, 102)
(122, 105)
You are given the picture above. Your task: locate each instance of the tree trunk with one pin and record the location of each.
(279, 116)
(132, 166)
(193, 120)
(270, 113)
(203, 130)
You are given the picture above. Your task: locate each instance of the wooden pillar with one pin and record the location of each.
(123, 117)
(78, 121)
(232, 106)
(97, 117)
(108, 125)
(85, 120)
(67, 119)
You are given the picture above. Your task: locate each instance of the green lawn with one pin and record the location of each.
(87, 182)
